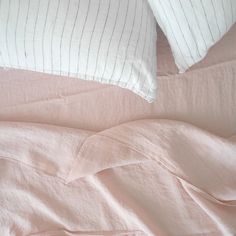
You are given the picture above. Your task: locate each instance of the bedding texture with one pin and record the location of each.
(193, 26)
(108, 41)
(204, 96)
(73, 164)
(144, 178)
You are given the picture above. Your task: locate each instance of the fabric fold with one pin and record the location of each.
(156, 172)
(201, 159)
(46, 148)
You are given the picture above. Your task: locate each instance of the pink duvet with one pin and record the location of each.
(149, 177)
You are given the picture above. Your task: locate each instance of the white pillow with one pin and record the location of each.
(109, 41)
(193, 26)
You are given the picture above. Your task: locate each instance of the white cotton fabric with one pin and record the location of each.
(108, 41)
(193, 26)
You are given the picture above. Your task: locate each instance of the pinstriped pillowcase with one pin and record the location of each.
(109, 41)
(193, 26)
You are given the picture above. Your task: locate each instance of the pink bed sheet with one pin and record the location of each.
(149, 177)
(204, 96)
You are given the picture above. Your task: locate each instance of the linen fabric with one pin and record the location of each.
(144, 178)
(204, 96)
(104, 40)
(192, 27)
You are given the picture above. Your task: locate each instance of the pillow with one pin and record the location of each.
(109, 41)
(193, 26)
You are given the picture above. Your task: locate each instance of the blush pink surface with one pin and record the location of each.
(73, 163)
(148, 177)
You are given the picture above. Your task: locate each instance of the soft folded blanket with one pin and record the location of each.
(149, 177)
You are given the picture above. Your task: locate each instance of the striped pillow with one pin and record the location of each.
(193, 26)
(109, 41)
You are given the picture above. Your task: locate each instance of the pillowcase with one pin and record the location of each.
(193, 26)
(109, 41)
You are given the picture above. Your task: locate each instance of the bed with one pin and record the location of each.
(84, 158)
(204, 96)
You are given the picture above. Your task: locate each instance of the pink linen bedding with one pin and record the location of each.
(149, 177)
(204, 96)
(68, 166)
